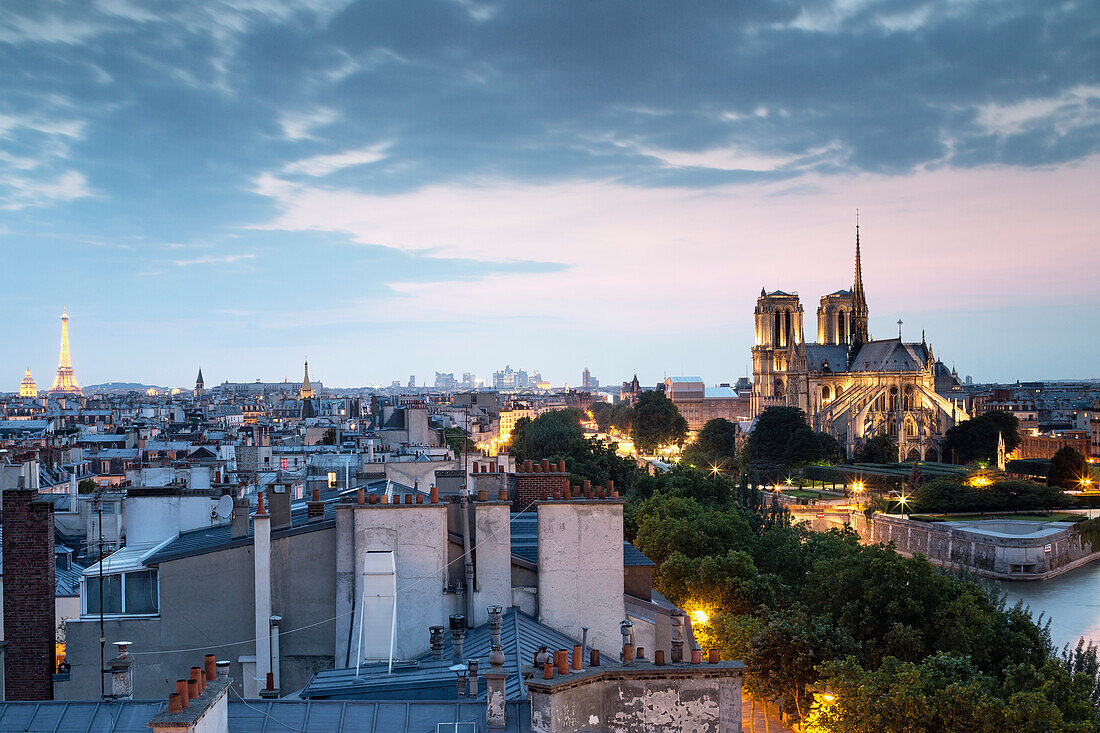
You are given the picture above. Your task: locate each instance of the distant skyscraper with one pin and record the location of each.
(306, 392)
(588, 382)
(65, 381)
(469, 380)
(412, 382)
(27, 388)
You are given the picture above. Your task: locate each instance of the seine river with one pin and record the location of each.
(1071, 602)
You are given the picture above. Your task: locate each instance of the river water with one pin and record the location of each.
(1071, 601)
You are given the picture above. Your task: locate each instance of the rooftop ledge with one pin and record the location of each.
(643, 669)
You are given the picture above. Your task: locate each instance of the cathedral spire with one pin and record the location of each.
(860, 333)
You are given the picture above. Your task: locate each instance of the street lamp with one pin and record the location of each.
(903, 500)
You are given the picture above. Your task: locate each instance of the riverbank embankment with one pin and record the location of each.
(1000, 547)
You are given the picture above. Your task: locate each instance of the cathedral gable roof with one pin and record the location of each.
(835, 356)
(889, 355)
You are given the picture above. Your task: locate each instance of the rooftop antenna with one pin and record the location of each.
(899, 328)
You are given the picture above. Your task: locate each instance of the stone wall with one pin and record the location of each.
(701, 698)
(1025, 557)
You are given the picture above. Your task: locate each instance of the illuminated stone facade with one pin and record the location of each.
(27, 388)
(849, 385)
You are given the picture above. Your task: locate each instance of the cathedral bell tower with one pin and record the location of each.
(777, 350)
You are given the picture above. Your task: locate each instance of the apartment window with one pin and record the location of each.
(332, 479)
(136, 593)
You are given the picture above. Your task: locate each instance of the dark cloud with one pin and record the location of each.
(181, 104)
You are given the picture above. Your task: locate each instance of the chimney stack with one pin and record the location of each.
(677, 636)
(261, 547)
(122, 681)
(238, 523)
(29, 599)
(458, 636)
(435, 635)
(278, 499)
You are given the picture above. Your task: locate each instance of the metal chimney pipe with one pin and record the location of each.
(473, 666)
(458, 635)
(435, 635)
(496, 621)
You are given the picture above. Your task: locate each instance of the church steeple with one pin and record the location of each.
(860, 333)
(306, 393)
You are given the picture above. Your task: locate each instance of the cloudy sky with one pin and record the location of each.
(394, 188)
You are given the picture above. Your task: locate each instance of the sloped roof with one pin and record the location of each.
(129, 716)
(889, 355)
(521, 636)
(366, 716)
(834, 355)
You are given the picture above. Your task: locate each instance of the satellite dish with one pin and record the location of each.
(224, 507)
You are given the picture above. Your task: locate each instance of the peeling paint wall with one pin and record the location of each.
(654, 703)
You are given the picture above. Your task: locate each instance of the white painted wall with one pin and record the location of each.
(581, 570)
(417, 536)
(153, 519)
(493, 552)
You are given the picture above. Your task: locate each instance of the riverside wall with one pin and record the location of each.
(993, 555)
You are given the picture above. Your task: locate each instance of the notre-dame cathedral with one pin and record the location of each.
(850, 385)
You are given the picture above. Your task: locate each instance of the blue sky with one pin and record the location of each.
(395, 188)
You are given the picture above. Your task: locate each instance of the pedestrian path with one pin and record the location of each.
(754, 723)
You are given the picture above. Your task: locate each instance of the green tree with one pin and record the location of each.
(879, 449)
(716, 444)
(329, 437)
(1067, 468)
(87, 486)
(549, 433)
(976, 439)
(803, 448)
(656, 422)
(767, 443)
(458, 440)
(784, 655)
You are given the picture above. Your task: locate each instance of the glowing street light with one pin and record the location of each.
(700, 616)
(903, 500)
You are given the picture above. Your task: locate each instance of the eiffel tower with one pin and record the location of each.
(65, 381)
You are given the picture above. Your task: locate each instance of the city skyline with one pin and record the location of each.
(386, 190)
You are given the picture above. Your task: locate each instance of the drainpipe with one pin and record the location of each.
(464, 504)
(261, 523)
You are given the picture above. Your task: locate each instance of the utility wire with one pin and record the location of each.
(460, 558)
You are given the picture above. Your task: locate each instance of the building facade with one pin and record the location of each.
(848, 384)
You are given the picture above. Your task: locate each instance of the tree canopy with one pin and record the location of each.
(976, 439)
(716, 444)
(549, 433)
(879, 449)
(656, 422)
(903, 646)
(1067, 468)
(781, 437)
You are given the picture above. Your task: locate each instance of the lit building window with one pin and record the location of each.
(332, 479)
